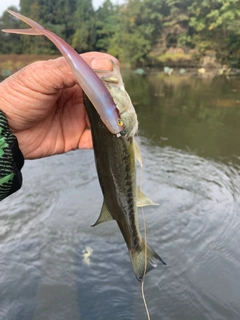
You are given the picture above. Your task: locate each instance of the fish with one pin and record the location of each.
(88, 80)
(115, 159)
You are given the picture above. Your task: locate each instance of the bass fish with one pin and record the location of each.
(113, 123)
(115, 159)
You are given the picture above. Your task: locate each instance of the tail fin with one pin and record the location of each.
(35, 30)
(142, 265)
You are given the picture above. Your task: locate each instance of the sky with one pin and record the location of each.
(7, 3)
(4, 4)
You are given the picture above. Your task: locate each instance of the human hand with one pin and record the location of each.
(44, 106)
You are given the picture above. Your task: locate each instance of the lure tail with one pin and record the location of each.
(35, 30)
(142, 264)
(38, 30)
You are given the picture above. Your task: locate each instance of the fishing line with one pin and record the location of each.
(145, 252)
(145, 266)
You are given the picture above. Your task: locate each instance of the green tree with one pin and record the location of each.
(107, 22)
(176, 18)
(55, 15)
(214, 25)
(140, 27)
(84, 24)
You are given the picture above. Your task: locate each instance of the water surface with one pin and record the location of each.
(189, 137)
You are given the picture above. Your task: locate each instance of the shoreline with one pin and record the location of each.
(10, 63)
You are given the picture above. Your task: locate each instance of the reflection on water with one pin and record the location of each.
(189, 142)
(201, 115)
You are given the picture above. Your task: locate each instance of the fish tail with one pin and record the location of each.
(35, 30)
(142, 265)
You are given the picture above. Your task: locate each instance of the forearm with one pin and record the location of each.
(11, 160)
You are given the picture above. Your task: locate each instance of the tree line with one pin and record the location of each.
(138, 31)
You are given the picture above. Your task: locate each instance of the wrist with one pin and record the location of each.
(11, 160)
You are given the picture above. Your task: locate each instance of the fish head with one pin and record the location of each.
(114, 83)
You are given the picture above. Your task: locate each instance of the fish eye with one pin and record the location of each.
(120, 122)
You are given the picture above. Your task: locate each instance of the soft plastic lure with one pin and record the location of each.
(86, 77)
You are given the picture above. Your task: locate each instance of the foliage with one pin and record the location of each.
(140, 27)
(84, 25)
(9, 43)
(137, 31)
(166, 57)
(107, 21)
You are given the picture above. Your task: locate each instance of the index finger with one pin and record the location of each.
(99, 60)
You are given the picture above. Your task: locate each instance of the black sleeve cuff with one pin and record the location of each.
(11, 160)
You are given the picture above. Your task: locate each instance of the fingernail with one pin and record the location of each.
(101, 64)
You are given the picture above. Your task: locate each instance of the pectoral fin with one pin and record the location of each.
(107, 76)
(143, 201)
(113, 77)
(105, 215)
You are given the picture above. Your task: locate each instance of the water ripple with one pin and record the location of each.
(45, 227)
(198, 220)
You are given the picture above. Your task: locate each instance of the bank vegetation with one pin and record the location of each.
(139, 32)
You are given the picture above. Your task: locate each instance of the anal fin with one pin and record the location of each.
(143, 201)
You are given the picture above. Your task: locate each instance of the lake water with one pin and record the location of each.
(189, 137)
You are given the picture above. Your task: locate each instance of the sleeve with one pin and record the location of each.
(11, 160)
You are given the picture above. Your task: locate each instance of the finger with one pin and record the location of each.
(99, 60)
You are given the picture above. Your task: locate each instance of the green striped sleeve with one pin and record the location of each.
(11, 160)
